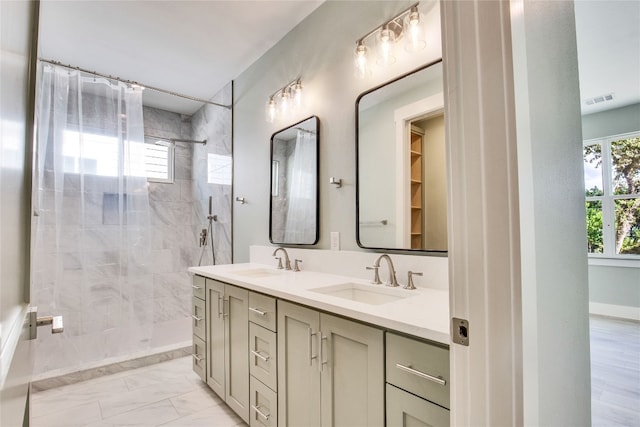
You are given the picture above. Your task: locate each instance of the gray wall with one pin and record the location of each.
(610, 284)
(319, 51)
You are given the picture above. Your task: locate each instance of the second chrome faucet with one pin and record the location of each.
(287, 261)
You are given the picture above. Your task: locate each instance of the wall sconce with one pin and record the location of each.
(407, 26)
(284, 100)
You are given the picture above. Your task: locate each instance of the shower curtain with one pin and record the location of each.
(91, 246)
(301, 213)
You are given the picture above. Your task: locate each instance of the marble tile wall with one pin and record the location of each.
(213, 123)
(110, 317)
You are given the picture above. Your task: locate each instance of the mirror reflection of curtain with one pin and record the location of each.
(91, 250)
(301, 213)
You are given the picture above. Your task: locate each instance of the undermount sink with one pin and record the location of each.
(368, 294)
(257, 272)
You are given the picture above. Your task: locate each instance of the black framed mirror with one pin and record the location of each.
(293, 207)
(401, 186)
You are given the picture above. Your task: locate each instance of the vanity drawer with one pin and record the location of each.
(263, 404)
(198, 317)
(418, 367)
(404, 409)
(199, 354)
(263, 355)
(262, 310)
(198, 286)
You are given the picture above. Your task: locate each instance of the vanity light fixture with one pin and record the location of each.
(408, 25)
(284, 100)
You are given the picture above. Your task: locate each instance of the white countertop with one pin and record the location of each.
(423, 313)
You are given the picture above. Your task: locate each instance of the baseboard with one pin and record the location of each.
(109, 368)
(619, 311)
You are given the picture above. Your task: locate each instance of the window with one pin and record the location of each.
(612, 189)
(94, 154)
(218, 169)
(159, 160)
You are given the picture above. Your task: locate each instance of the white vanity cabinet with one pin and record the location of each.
(417, 375)
(227, 341)
(330, 370)
(198, 323)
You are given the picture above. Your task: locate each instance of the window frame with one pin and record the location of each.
(171, 156)
(608, 201)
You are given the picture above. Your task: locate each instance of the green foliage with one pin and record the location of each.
(594, 227)
(625, 162)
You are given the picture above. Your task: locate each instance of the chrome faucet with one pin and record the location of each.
(392, 271)
(287, 261)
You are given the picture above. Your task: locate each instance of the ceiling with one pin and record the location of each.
(197, 47)
(193, 48)
(608, 39)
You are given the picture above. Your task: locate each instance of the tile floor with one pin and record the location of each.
(170, 394)
(166, 394)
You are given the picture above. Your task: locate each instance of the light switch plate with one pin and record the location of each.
(335, 241)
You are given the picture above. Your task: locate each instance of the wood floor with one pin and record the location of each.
(615, 372)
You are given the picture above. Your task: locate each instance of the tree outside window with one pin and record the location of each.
(612, 189)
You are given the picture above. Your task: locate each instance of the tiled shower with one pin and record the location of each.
(161, 305)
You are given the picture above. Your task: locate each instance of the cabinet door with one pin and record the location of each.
(407, 410)
(298, 369)
(215, 336)
(236, 315)
(352, 363)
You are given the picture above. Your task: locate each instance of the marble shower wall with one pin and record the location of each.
(213, 123)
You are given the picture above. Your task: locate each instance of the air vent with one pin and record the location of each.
(599, 99)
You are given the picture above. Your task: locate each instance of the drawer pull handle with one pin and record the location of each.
(310, 347)
(198, 358)
(196, 318)
(258, 312)
(196, 287)
(259, 412)
(260, 356)
(410, 370)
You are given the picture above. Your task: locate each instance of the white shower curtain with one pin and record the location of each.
(301, 213)
(91, 248)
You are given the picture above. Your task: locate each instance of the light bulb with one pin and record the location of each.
(360, 61)
(284, 102)
(414, 31)
(297, 94)
(271, 110)
(386, 39)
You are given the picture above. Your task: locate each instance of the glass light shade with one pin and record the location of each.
(297, 94)
(285, 100)
(360, 61)
(271, 110)
(414, 31)
(385, 44)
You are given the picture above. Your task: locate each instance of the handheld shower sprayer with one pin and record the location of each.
(208, 232)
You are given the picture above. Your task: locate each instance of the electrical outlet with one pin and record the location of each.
(335, 241)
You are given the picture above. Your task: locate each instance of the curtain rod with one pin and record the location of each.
(174, 140)
(131, 82)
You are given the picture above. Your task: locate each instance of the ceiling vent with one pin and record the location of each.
(599, 99)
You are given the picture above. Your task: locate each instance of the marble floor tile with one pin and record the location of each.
(167, 393)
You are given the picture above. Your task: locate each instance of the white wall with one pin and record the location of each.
(320, 51)
(18, 30)
(555, 322)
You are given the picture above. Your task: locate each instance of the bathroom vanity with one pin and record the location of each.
(306, 348)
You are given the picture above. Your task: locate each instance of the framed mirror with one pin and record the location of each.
(293, 213)
(401, 197)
